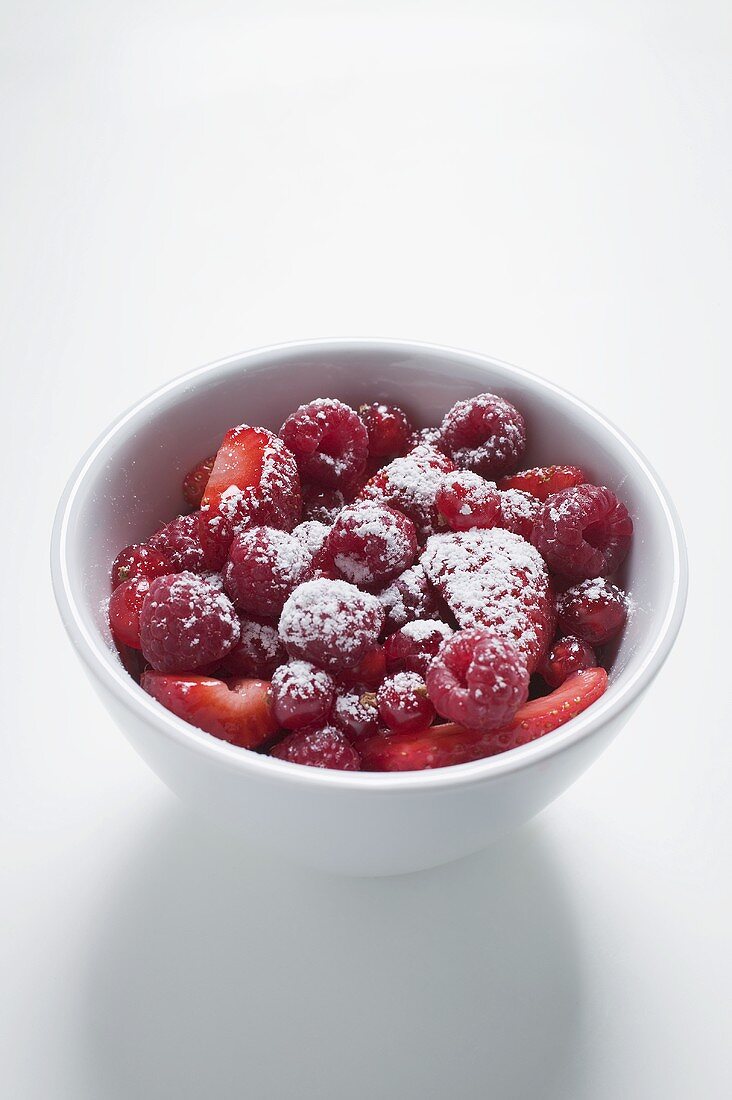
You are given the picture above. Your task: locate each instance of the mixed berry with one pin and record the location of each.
(358, 594)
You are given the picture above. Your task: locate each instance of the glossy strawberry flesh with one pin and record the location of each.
(195, 482)
(254, 480)
(448, 744)
(238, 712)
(542, 481)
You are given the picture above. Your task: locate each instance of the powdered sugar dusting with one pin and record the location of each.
(494, 578)
(334, 615)
(302, 681)
(410, 483)
(312, 533)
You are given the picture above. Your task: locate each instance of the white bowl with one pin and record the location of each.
(354, 823)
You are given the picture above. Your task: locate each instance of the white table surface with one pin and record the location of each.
(546, 183)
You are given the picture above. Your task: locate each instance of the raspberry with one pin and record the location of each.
(408, 599)
(519, 512)
(465, 500)
(125, 604)
(410, 484)
(301, 694)
(478, 679)
(330, 623)
(583, 532)
(370, 670)
(355, 713)
(371, 543)
(594, 610)
(388, 428)
(312, 534)
(495, 579)
(179, 541)
(542, 481)
(413, 647)
(325, 747)
(485, 434)
(195, 482)
(328, 440)
(139, 560)
(263, 568)
(186, 624)
(404, 705)
(321, 504)
(322, 566)
(258, 653)
(567, 655)
(430, 437)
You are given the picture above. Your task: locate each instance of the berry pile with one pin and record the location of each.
(358, 594)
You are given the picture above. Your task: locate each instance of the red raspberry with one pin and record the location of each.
(180, 542)
(404, 705)
(370, 670)
(186, 624)
(542, 481)
(325, 747)
(254, 481)
(410, 484)
(301, 694)
(594, 610)
(466, 500)
(328, 440)
(519, 512)
(195, 482)
(567, 655)
(413, 647)
(264, 566)
(371, 543)
(139, 560)
(495, 579)
(478, 679)
(322, 566)
(583, 532)
(321, 504)
(430, 437)
(125, 604)
(355, 713)
(330, 623)
(485, 434)
(407, 599)
(312, 534)
(258, 653)
(389, 430)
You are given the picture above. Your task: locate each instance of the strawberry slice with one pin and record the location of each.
(237, 711)
(196, 480)
(254, 479)
(440, 746)
(542, 481)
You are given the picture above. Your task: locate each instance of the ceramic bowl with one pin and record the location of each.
(353, 823)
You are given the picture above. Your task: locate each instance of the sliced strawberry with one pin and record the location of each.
(238, 712)
(195, 482)
(254, 479)
(542, 481)
(452, 744)
(125, 605)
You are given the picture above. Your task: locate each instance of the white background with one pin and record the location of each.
(547, 183)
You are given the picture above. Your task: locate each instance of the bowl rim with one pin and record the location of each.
(131, 695)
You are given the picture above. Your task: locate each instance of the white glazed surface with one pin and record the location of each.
(368, 824)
